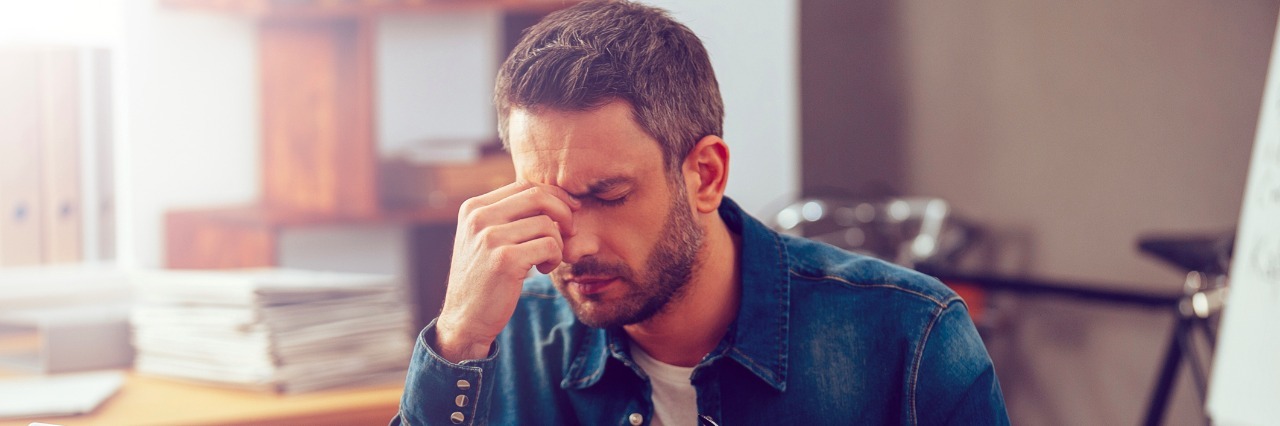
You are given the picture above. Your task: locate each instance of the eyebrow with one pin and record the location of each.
(603, 185)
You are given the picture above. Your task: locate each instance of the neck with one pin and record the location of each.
(690, 327)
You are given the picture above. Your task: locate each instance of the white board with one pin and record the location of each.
(1245, 387)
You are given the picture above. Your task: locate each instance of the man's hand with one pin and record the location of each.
(501, 235)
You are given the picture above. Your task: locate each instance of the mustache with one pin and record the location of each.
(591, 267)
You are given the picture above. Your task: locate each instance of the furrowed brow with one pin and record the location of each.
(604, 185)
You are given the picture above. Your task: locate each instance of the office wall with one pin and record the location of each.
(1084, 125)
(189, 132)
(435, 78)
(61, 22)
(1075, 129)
(753, 48)
(1069, 129)
(852, 99)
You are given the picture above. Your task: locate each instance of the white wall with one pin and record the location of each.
(1079, 126)
(753, 51)
(189, 134)
(1084, 125)
(435, 78)
(60, 22)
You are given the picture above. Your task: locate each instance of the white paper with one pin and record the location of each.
(60, 395)
(45, 286)
(1245, 386)
(285, 330)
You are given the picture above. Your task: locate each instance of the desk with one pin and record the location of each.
(147, 400)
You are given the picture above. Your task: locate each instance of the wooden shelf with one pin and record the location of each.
(259, 216)
(246, 236)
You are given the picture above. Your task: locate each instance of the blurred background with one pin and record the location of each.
(342, 134)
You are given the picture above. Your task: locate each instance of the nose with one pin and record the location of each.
(583, 243)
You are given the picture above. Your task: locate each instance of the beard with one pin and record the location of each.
(664, 278)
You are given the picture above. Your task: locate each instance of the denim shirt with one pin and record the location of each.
(822, 336)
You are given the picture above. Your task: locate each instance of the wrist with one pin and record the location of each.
(456, 346)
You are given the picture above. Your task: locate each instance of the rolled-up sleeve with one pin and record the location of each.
(439, 392)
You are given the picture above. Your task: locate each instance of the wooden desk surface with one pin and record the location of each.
(147, 400)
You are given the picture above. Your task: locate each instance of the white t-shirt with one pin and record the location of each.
(675, 401)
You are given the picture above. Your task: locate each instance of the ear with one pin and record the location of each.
(706, 170)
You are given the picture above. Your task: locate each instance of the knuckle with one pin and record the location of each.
(468, 206)
(469, 226)
(477, 219)
(551, 244)
(503, 255)
(536, 192)
(486, 238)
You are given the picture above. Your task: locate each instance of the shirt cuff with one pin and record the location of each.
(439, 392)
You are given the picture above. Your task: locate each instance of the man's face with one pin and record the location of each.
(636, 241)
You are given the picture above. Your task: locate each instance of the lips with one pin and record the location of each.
(588, 286)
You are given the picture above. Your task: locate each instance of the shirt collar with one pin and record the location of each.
(758, 337)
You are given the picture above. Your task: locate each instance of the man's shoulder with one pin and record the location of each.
(815, 265)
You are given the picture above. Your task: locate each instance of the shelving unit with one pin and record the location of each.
(319, 149)
(42, 152)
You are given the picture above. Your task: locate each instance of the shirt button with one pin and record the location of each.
(636, 419)
(464, 385)
(457, 417)
(461, 400)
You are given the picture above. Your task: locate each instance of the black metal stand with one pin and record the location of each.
(1203, 294)
(1181, 346)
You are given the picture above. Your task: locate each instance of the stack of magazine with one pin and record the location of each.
(277, 329)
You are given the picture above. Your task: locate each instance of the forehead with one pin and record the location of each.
(572, 149)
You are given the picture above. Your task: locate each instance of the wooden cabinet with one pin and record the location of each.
(40, 218)
(318, 149)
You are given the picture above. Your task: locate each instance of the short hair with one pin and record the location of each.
(595, 52)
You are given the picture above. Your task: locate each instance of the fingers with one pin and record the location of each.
(513, 188)
(560, 193)
(500, 236)
(534, 200)
(495, 195)
(539, 252)
(537, 239)
(520, 231)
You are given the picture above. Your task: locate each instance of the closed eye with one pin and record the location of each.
(611, 202)
(608, 192)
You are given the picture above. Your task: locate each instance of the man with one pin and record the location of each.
(665, 303)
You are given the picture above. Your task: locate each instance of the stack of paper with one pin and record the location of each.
(285, 330)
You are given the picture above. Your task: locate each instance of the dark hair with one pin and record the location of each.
(595, 52)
